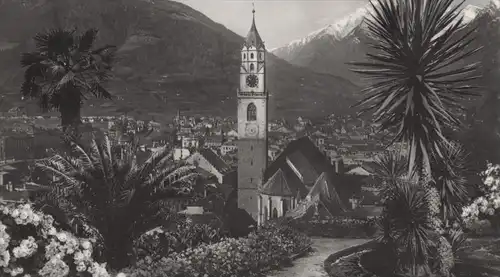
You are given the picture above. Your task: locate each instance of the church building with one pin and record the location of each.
(301, 173)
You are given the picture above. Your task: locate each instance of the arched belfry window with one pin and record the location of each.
(244, 56)
(252, 67)
(251, 56)
(251, 112)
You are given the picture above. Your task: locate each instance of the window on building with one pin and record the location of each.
(261, 56)
(244, 56)
(251, 162)
(251, 180)
(251, 112)
(251, 147)
(251, 56)
(252, 67)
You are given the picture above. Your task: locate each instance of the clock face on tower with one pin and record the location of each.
(251, 130)
(252, 80)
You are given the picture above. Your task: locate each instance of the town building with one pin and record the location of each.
(302, 173)
(252, 114)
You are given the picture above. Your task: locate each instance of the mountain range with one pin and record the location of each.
(328, 49)
(169, 57)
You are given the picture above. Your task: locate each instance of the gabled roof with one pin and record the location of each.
(310, 162)
(277, 185)
(304, 167)
(322, 193)
(215, 160)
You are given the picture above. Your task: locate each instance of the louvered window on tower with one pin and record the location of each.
(251, 56)
(252, 67)
(251, 112)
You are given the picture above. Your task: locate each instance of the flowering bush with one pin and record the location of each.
(338, 227)
(30, 245)
(487, 206)
(160, 242)
(268, 247)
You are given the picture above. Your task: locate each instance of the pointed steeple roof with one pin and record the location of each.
(253, 37)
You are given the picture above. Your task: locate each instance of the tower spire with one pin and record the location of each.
(253, 37)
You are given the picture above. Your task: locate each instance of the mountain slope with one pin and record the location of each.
(330, 48)
(170, 56)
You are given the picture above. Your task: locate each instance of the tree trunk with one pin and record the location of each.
(70, 114)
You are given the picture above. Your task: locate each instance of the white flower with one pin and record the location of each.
(23, 215)
(78, 256)
(16, 271)
(36, 219)
(52, 231)
(81, 267)
(86, 244)
(15, 213)
(87, 253)
(62, 237)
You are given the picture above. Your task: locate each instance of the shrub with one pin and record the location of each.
(338, 227)
(487, 206)
(31, 245)
(161, 242)
(269, 247)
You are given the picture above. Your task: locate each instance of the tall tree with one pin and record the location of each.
(107, 194)
(64, 70)
(417, 84)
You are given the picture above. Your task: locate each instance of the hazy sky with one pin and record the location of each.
(281, 21)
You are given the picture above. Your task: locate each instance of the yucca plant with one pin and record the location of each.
(109, 192)
(417, 84)
(409, 226)
(449, 180)
(388, 169)
(64, 69)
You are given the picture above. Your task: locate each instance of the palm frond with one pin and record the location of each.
(87, 39)
(65, 64)
(55, 42)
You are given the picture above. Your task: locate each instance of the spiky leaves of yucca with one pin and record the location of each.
(388, 169)
(109, 192)
(407, 225)
(416, 84)
(449, 179)
(64, 69)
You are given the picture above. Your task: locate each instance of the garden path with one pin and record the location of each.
(312, 265)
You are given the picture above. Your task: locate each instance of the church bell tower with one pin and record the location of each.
(252, 122)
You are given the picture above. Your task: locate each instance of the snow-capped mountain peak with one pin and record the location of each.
(346, 25)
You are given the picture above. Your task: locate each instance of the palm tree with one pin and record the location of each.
(111, 195)
(416, 81)
(65, 69)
